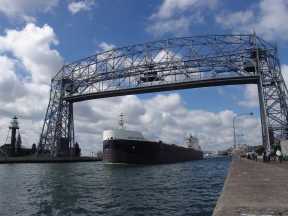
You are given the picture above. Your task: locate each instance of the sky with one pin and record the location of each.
(38, 36)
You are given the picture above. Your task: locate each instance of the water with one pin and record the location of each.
(190, 188)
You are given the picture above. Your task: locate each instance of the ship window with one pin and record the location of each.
(131, 148)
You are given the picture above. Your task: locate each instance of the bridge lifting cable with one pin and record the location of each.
(177, 63)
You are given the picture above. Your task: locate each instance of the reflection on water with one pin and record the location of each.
(189, 188)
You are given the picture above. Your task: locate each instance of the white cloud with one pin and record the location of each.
(27, 62)
(78, 6)
(251, 98)
(161, 117)
(25, 9)
(9, 80)
(32, 46)
(106, 46)
(179, 26)
(268, 19)
(170, 8)
(178, 16)
(238, 18)
(284, 70)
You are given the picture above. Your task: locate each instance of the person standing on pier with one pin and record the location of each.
(264, 156)
(279, 155)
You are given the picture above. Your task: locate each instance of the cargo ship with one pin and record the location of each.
(127, 146)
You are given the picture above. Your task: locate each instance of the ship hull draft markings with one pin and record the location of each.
(178, 63)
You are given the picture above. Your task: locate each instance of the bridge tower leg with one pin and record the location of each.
(71, 126)
(57, 136)
(263, 115)
(64, 134)
(273, 93)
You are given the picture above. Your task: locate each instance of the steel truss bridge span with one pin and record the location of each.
(178, 63)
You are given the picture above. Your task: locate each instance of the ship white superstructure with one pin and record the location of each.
(192, 142)
(122, 134)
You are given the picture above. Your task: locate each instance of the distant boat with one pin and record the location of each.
(127, 146)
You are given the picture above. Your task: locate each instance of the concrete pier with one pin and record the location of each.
(34, 159)
(254, 188)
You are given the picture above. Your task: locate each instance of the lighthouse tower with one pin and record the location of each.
(14, 126)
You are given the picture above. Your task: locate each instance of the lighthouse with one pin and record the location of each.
(14, 126)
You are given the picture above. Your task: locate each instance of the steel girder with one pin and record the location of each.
(189, 61)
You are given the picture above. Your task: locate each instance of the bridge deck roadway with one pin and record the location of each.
(253, 189)
(166, 87)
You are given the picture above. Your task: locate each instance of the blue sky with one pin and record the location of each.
(73, 29)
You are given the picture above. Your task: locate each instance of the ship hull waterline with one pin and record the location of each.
(146, 152)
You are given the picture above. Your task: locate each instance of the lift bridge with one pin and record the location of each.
(178, 63)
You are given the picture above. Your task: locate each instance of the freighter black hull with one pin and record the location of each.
(146, 152)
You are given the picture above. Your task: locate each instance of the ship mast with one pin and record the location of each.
(121, 121)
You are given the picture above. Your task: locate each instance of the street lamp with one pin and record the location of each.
(238, 136)
(234, 118)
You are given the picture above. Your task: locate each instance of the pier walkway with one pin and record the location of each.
(254, 188)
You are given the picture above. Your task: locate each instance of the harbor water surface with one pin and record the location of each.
(95, 188)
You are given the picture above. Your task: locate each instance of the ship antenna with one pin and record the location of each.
(121, 121)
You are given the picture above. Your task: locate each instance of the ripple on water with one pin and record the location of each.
(189, 188)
